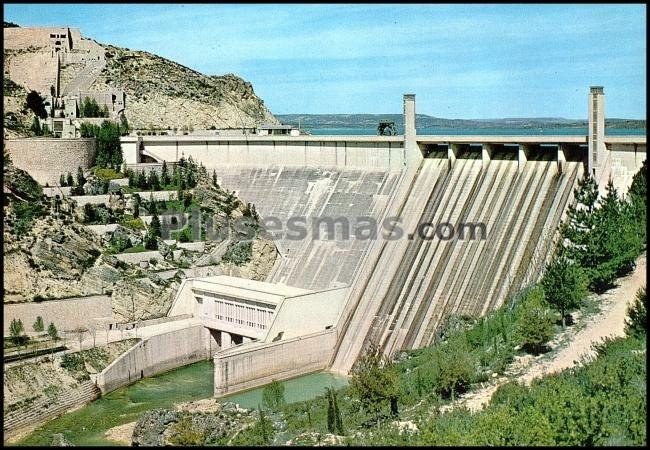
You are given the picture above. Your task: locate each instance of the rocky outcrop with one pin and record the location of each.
(191, 425)
(142, 298)
(164, 94)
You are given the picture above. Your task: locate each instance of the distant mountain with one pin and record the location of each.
(424, 121)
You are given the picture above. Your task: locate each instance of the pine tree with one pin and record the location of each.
(565, 286)
(575, 231)
(331, 417)
(214, 179)
(36, 127)
(153, 181)
(155, 227)
(136, 206)
(374, 381)
(38, 325)
(164, 174)
(152, 206)
(534, 322)
(62, 181)
(52, 332)
(16, 331)
(81, 180)
(70, 180)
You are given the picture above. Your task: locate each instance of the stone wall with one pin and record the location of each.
(252, 365)
(65, 314)
(45, 159)
(157, 354)
(44, 409)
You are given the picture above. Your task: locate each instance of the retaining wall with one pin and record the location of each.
(252, 365)
(44, 409)
(157, 354)
(66, 314)
(45, 159)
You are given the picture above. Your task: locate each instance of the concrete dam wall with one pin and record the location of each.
(431, 279)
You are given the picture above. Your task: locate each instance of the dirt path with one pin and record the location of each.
(573, 345)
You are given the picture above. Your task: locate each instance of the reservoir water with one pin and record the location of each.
(87, 425)
(573, 131)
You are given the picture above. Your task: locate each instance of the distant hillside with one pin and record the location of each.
(425, 121)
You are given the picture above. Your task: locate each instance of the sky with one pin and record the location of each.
(461, 61)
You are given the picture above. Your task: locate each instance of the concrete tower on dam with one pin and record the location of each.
(596, 131)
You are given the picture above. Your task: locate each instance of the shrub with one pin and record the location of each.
(534, 323)
(636, 323)
(239, 253)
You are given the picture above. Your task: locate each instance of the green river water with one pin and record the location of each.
(87, 426)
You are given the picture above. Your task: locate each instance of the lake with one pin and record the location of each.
(482, 131)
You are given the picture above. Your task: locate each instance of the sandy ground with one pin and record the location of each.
(576, 343)
(121, 433)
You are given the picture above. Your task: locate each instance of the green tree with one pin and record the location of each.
(136, 205)
(214, 179)
(36, 127)
(38, 325)
(534, 322)
(153, 181)
(155, 227)
(636, 323)
(375, 381)
(81, 180)
(576, 230)
(565, 286)
(142, 180)
(62, 181)
(16, 330)
(164, 174)
(273, 395)
(124, 125)
(70, 179)
(334, 418)
(52, 332)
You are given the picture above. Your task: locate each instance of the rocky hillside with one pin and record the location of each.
(49, 255)
(164, 94)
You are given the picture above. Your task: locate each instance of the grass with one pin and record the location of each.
(137, 249)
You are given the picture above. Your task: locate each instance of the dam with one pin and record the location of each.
(391, 293)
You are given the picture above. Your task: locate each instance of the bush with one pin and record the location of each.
(239, 253)
(273, 395)
(636, 323)
(107, 174)
(534, 323)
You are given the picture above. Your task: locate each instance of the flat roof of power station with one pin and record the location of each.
(272, 293)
